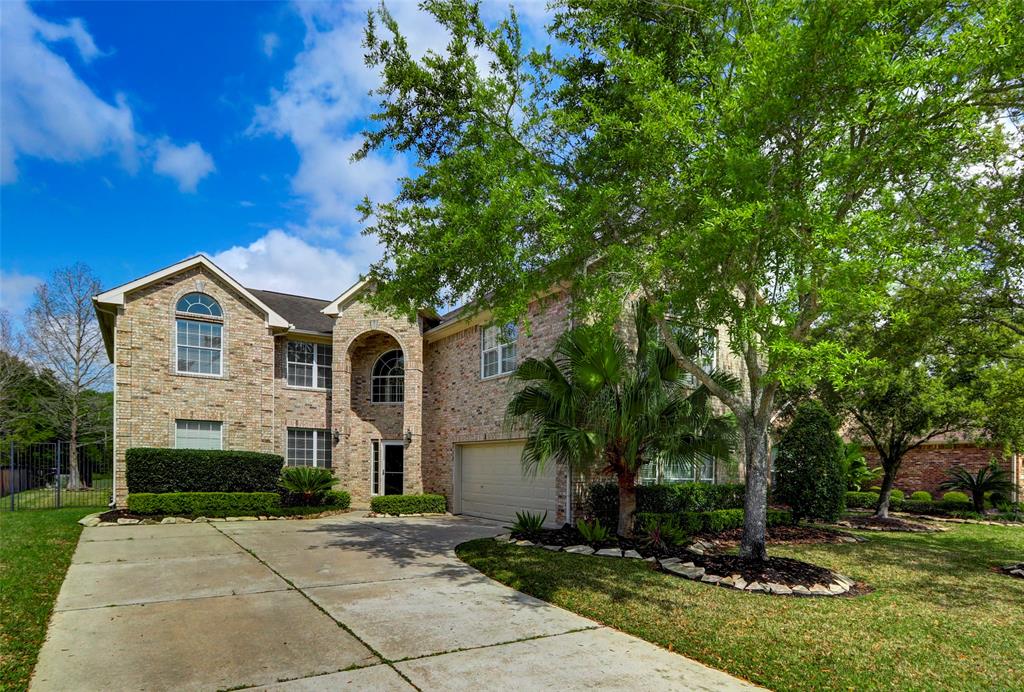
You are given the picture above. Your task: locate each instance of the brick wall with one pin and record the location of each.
(296, 407)
(150, 395)
(361, 334)
(460, 407)
(925, 467)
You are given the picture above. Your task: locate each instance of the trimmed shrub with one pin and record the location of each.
(896, 496)
(602, 499)
(205, 504)
(861, 500)
(408, 504)
(919, 506)
(305, 485)
(954, 496)
(809, 472)
(157, 470)
(715, 521)
(921, 496)
(337, 499)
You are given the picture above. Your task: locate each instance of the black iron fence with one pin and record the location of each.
(49, 475)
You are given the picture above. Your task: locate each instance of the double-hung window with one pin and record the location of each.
(658, 472)
(308, 365)
(199, 335)
(497, 350)
(707, 349)
(309, 447)
(198, 434)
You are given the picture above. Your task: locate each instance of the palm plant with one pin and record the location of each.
(307, 484)
(990, 479)
(599, 405)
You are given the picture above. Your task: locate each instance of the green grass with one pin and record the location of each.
(35, 551)
(45, 498)
(938, 618)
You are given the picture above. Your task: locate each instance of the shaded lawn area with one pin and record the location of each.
(46, 498)
(938, 617)
(35, 551)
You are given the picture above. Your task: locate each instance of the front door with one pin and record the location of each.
(394, 468)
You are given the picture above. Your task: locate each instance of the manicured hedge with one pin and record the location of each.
(602, 500)
(956, 496)
(861, 500)
(157, 470)
(338, 499)
(205, 504)
(408, 504)
(715, 521)
(921, 496)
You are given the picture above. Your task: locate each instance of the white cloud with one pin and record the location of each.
(282, 261)
(270, 43)
(47, 111)
(16, 291)
(186, 164)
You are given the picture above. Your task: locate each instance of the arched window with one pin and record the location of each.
(388, 379)
(199, 304)
(199, 341)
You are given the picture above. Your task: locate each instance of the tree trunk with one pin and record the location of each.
(979, 501)
(74, 477)
(755, 499)
(891, 466)
(627, 502)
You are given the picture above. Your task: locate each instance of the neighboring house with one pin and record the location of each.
(390, 405)
(926, 466)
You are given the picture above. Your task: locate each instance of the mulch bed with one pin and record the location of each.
(787, 535)
(1015, 570)
(780, 570)
(872, 523)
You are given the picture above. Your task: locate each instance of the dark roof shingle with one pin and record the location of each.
(301, 311)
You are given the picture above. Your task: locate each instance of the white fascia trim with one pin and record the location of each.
(116, 296)
(334, 308)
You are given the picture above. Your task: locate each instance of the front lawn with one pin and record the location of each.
(35, 551)
(938, 617)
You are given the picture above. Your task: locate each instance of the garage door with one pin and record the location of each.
(494, 487)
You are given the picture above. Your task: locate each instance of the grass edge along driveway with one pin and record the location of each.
(938, 618)
(35, 550)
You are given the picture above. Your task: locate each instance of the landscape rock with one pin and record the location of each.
(672, 561)
(89, 521)
(503, 538)
(819, 590)
(780, 589)
(688, 572)
(754, 586)
(837, 588)
(169, 520)
(695, 550)
(740, 583)
(1017, 572)
(579, 550)
(609, 552)
(802, 590)
(552, 548)
(123, 521)
(727, 581)
(107, 523)
(524, 543)
(632, 554)
(200, 520)
(711, 578)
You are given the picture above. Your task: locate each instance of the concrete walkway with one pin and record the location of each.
(345, 602)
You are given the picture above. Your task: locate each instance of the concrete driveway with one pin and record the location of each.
(346, 602)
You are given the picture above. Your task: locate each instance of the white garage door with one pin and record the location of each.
(494, 487)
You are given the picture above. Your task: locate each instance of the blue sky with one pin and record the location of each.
(136, 134)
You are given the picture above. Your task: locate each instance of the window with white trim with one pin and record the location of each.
(198, 434)
(309, 447)
(658, 472)
(387, 380)
(199, 341)
(497, 350)
(308, 364)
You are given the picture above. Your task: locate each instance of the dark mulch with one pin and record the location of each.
(872, 523)
(1014, 570)
(777, 570)
(787, 535)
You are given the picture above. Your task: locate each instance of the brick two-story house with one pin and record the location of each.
(390, 405)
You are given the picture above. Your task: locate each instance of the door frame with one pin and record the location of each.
(382, 444)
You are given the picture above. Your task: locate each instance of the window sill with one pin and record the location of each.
(297, 388)
(485, 378)
(386, 403)
(200, 375)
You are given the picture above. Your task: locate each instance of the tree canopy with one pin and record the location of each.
(757, 164)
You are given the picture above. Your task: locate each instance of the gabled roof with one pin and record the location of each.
(335, 307)
(305, 314)
(115, 296)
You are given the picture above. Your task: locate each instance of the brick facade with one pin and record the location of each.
(925, 467)
(447, 403)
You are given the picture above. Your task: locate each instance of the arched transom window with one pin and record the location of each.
(388, 378)
(199, 304)
(199, 341)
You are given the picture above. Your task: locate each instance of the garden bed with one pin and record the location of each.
(1014, 570)
(117, 517)
(788, 535)
(873, 523)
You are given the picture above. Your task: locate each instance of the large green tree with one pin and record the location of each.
(756, 164)
(603, 405)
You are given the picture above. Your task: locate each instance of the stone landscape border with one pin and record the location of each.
(1015, 570)
(839, 586)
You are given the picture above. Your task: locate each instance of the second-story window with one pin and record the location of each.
(497, 350)
(387, 381)
(199, 335)
(308, 365)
